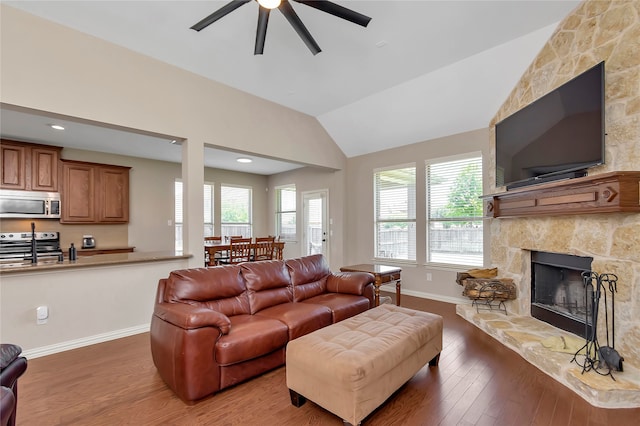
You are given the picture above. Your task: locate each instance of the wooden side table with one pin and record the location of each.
(383, 274)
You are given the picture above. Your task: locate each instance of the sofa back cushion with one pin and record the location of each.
(220, 288)
(268, 284)
(308, 276)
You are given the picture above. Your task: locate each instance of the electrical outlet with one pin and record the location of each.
(42, 314)
(429, 276)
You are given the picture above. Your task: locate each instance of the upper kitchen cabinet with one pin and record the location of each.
(94, 193)
(113, 194)
(29, 167)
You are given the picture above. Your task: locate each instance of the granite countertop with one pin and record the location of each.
(87, 261)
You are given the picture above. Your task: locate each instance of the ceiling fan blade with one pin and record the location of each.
(223, 11)
(337, 10)
(261, 31)
(297, 25)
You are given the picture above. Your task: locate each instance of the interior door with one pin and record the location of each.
(315, 235)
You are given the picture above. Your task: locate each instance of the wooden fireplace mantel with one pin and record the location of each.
(604, 193)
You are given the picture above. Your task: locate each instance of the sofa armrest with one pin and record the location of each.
(191, 317)
(349, 282)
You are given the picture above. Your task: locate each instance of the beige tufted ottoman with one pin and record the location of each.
(353, 366)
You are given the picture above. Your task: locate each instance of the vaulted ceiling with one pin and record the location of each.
(420, 70)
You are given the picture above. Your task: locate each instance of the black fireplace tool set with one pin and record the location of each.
(601, 359)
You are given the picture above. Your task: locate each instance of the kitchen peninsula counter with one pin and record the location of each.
(88, 261)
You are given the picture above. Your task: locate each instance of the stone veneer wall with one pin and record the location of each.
(593, 32)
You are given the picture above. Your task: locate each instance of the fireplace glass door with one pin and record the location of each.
(558, 293)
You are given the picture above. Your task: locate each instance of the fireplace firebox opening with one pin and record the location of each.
(558, 293)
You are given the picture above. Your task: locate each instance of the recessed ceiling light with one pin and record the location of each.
(244, 160)
(56, 126)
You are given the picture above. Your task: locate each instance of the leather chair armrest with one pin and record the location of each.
(349, 282)
(192, 317)
(7, 404)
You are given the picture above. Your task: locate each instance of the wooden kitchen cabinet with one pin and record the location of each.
(29, 167)
(117, 250)
(113, 194)
(94, 193)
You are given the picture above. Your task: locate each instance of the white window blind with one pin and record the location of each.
(208, 212)
(178, 214)
(395, 213)
(235, 211)
(286, 212)
(454, 211)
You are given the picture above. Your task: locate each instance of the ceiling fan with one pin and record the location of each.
(283, 6)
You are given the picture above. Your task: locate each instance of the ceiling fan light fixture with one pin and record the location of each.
(269, 4)
(291, 16)
(244, 160)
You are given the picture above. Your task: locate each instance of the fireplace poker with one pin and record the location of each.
(608, 354)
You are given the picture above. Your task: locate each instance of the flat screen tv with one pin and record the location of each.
(558, 136)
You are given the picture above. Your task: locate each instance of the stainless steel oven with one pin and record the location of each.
(29, 204)
(18, 246)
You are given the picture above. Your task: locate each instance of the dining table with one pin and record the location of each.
(213, 247)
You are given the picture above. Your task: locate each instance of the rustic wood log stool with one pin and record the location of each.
(351, 367)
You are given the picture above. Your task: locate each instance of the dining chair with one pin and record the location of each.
(213, 255)
(239, 251)
(263, 248)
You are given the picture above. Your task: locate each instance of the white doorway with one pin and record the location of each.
(315, 233)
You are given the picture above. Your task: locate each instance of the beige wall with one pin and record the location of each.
(86, 305)
(359, 205)
(595, 31)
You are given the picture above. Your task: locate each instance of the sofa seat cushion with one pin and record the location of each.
(300, 318)
(342, 305)
(250, 337)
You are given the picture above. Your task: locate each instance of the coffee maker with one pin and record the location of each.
(88, 242)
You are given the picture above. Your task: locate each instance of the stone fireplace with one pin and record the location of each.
(595, 31)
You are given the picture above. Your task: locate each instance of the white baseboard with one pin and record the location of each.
(85, 341)
(391, 288)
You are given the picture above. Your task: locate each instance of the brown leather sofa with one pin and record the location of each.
(215, 327)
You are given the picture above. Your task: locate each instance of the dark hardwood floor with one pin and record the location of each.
(478, 382)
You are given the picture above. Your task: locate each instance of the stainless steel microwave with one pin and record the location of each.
(29, 204)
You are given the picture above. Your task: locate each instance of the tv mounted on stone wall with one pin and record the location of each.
(558, 136)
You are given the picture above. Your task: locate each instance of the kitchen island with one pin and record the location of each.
(51, 264)
(92, 300)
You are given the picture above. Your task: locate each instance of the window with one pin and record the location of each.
(286, 212)
(235, 211)
(454, 211)
(208, 212)
(177, 198)
(395, 213)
